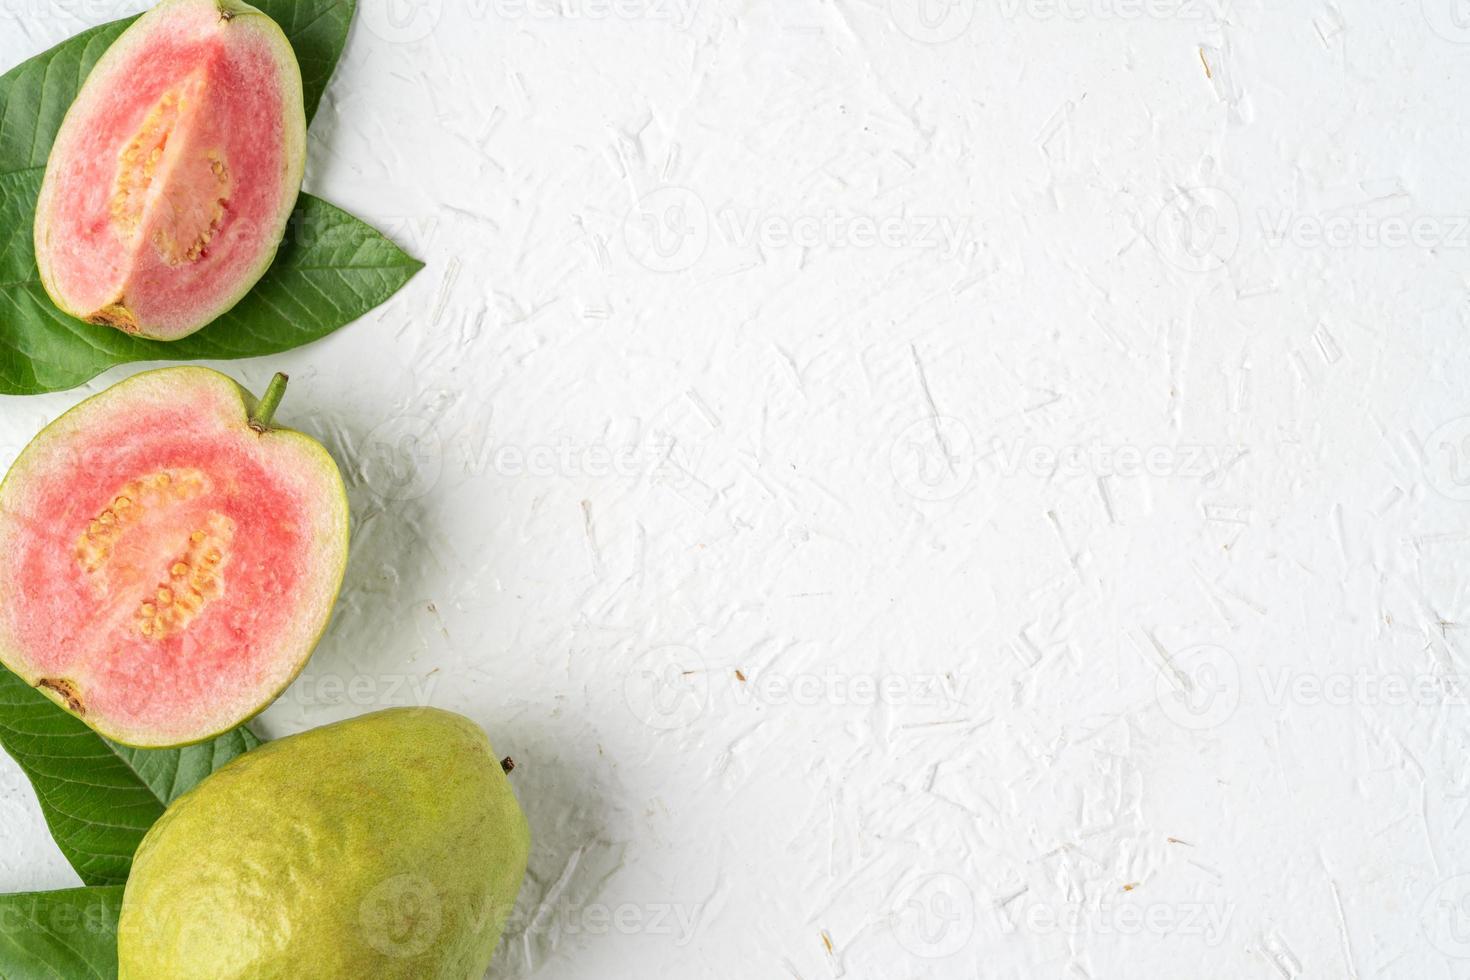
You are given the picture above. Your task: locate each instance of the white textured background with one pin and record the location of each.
(1092, 543)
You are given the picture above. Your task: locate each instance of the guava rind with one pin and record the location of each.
(95, 270)
(389, 846)
(209, 676)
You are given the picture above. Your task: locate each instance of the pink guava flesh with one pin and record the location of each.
(165, 568)
(171, 181)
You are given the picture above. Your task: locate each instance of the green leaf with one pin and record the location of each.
(99, 798)
(331, 269)
(318, 31)
(170, 773)
(68, 935)
(35, 95)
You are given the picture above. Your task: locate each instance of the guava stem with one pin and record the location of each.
(266, 410)
(507, 765)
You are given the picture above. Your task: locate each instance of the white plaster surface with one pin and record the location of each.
(1131, 465)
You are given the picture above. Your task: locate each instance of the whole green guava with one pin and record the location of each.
(389, 846)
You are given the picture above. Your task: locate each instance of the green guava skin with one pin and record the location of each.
(389, 847)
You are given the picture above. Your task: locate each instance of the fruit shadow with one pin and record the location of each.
(559, 782)
(375, 653)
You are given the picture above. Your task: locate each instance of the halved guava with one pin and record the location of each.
(168, 559)
(171, 181)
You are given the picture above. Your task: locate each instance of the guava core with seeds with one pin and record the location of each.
(172, 179)
(389, 847)
(168, 557)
